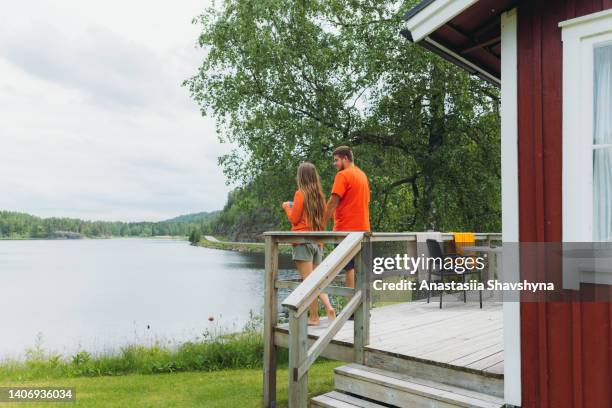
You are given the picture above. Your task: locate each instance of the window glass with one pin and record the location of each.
(602, 144)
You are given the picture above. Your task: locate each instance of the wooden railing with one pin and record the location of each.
(351, 245)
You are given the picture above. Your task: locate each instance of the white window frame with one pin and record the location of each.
(580, 38)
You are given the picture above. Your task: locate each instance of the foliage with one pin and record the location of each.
(195, 217)
(288, 81)
(195, 236)
(20, 225)
(214, 350)
(243, 218)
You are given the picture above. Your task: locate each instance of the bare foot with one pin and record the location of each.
(331, 314)
(314, 322)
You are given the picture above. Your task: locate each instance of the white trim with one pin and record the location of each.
(510, 202)
(463, 60)
(585, 19)
(434, 15)
(601, 146)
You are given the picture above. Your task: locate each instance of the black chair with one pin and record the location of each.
(435, 251)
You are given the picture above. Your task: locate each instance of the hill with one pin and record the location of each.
(196, 217)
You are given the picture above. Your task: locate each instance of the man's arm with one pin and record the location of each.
(331, 206)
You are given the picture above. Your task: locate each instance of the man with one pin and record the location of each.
(349, 201)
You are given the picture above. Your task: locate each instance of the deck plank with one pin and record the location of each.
(459, 334)
(487, 362)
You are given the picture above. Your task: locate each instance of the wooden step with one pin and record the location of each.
(337, 399)
(457, 376)
(406, 391)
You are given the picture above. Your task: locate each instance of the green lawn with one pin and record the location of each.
(223, 389)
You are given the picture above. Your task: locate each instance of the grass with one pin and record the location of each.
(227, 388)
(212, 352)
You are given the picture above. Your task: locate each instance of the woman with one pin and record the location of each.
(306, 213)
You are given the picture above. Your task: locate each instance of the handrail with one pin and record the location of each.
(310, 289)
(301, 237)
(292, 237)
(412, 236)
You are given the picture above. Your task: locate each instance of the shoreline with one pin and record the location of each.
(251, 247)
(175, 237)
(248, 247)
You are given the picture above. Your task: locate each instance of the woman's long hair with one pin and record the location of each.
(309, 184)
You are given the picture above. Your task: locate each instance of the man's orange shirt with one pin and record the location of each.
(352, 212)
(296, 214)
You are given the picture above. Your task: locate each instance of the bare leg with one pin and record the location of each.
(350, 278)
(305, 269)
(350, 282)
(329, 309)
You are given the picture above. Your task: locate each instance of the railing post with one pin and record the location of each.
(298, 348)
(270, 321)
(361, 326)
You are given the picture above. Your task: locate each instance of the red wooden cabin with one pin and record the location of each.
(553, 62)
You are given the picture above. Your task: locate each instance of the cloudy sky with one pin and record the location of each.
(93, 121)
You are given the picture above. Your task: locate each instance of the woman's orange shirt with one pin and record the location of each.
(296, 214)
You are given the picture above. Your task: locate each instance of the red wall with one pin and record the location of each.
(566, 347)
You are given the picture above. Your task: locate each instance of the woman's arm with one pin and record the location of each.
(294, 214)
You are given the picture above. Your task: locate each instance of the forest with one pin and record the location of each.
(15, 225)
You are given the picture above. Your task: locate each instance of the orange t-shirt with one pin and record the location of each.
(352, 212)
(296, 214)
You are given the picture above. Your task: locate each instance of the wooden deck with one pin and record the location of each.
(459, 336)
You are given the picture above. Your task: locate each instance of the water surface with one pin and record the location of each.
(98, 295)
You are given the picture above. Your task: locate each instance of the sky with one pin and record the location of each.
(94, 122)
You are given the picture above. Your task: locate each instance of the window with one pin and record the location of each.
(587, 143)
(602, 144)
(587, 128)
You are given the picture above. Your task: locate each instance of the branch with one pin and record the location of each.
(360, 137)
(365, 23)
(261, 92)
(406, 180)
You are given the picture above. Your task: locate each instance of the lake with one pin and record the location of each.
(100, 294)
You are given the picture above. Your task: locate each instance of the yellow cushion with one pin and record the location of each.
(463, 239)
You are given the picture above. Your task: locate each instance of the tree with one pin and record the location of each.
(195, 236)
(288, 80)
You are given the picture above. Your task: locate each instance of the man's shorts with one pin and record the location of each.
(308, 252)
(350, 265)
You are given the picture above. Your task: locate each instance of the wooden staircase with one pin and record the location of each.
(367, 387)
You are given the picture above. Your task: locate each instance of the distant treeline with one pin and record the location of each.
(21, 225)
